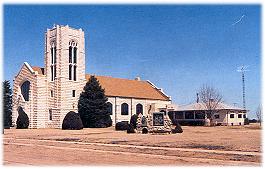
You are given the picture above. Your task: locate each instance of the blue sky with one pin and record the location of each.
(177, 47)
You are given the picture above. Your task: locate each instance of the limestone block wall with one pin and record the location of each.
(29, 107)
(63, 101)
(68, 102)
(41, 102)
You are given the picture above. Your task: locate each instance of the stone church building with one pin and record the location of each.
(47, 94)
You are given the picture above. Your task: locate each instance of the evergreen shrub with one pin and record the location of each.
(145, 131)
(72, 121)
(121, 125)
(93, 107)
(130, 129)
(177, 129)
(22, 120)
(133, 120)
(246, 121)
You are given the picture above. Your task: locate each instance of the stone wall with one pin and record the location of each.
(62, 102)
(29, 107)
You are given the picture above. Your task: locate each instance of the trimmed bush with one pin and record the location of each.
(121, 125)
(72, 121)
(22, 120)
(253, 121)
(133, 120)
(130, 129)
(145, 131)
(177, 129)
(246, 121)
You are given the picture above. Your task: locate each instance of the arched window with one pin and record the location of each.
(50, 114)
(124, 109)
(72, 60)
(25, 90)
(109, 107)
(139, 109)
(53, 60)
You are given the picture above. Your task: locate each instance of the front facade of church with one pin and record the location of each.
(47, 94)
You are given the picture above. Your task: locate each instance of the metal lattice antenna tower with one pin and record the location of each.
(243, 69)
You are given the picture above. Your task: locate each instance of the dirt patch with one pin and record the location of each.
(207, 147)
(67, 139)
(243, 139)
(118, 141)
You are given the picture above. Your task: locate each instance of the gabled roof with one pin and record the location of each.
(201, 106)
(27, 66)
(32, 69)
(129, 88)
(40, 70)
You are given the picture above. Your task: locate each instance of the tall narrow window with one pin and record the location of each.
(25, 90)
(75, 50)
(50, 114)
(139, 109)
(54, 55)
(51, 73)
(73, 93)
(70, 72)
(54, 70)
(109, 108)
(72, 60)
(124, 109)
(51, 55)
(70, 54)
(74, 72)
(53, 60)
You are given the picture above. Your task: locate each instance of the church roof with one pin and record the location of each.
(40, 70)
(124, 87)
(130, 88)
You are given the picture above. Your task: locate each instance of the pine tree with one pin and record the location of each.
(22, 119)
(7, 103)
(92, 105)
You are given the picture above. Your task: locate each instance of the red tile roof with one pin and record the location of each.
(40, 70)
(129, 88)
(124, 87)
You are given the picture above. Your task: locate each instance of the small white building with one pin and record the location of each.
(224, 114)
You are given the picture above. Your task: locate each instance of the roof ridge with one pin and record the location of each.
(116, 78)
(129, 88)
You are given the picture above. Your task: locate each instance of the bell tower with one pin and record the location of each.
(65, 71)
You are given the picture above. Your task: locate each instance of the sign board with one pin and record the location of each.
(158, 119)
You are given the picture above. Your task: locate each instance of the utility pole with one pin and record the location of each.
(243, 69)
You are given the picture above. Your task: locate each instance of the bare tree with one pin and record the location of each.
(211, 98)
(259, 115)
